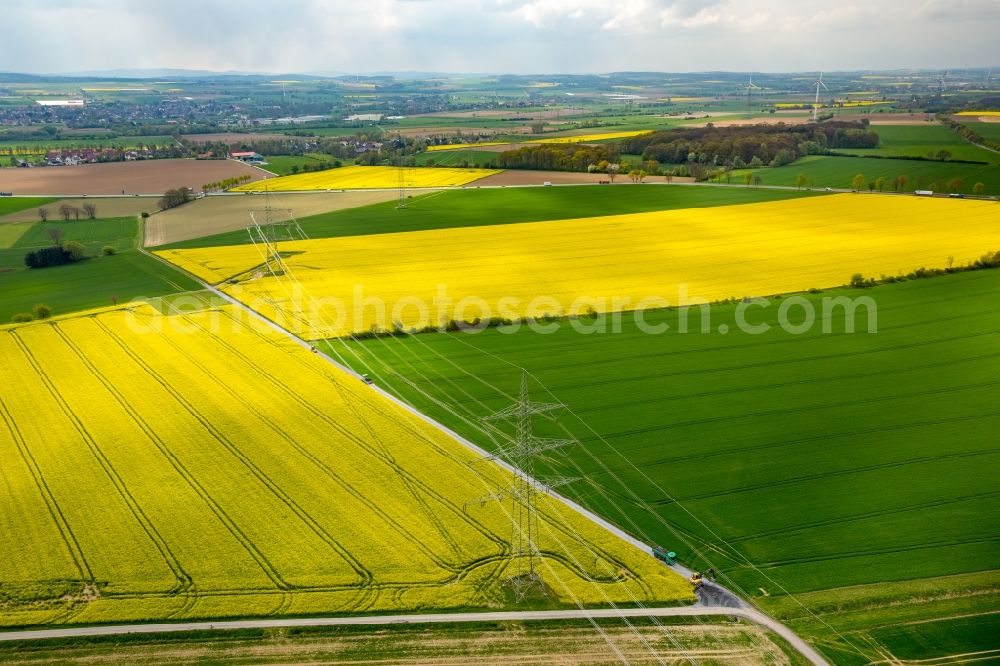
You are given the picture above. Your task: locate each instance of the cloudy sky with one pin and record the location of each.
(500, 36)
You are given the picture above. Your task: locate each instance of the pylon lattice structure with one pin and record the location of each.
(401, 182)
(520, 452)
(267, 227)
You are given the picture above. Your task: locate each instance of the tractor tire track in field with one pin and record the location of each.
(792, 480)
(848, 554)
(558, 524)
(777, 385)
(411, 488)
(756, 448)
(352, 436)
(182, 579)
(742, 366)
(65, 531)
(319, 464)
(551, 520)
(799, 410)
(364, 574)
(547, 351)
(627, 341)
(863, 516)
(175, 462)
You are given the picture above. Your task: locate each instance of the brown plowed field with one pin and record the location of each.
(144, 177)
(216, 214)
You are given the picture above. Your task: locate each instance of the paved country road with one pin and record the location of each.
(673, 611)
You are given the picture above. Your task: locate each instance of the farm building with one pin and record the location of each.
(249, 157)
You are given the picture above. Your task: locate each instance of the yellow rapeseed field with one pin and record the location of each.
(988, 114)
(202, 465)
(862, 102)
(585, 138)
(458, 146)
(338, 286)
(368, 177)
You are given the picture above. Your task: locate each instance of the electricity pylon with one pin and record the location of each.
(401, 183)
(520, 452)
(267, 228)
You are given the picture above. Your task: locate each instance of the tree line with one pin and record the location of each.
(749, 146)
(66, 211)
(699, 151)
(220, 185)
(559, 157)
(967, 133)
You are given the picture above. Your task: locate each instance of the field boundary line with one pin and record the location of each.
(750, 613)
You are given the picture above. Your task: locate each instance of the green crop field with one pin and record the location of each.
(837, 172)
(10, 205)
(479, 207)
(93, 282)
(961, 635)
(989, 131)
(919, 140)
(852, 472)
(118, 232)
(450, 158)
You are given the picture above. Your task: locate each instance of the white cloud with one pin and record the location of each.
(535, 36)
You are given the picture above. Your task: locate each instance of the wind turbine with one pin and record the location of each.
(819, 82)
(750, 88)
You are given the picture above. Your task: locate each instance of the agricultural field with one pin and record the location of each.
(460, 146)
(989, 131)
(150, 177)
(979, 114)
(919, 140)
(12, 205)
(230, 216)
(755, 375)
(837, 172)
(843, 481)
(365, 177)
(148, 486)
(591, 138)
(602, 264)
(104, 207)
(417, 645)
(282, 165)
(458, 157)
(94, 282)
(454, 208)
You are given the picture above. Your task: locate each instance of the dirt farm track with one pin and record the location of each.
(144, 177)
